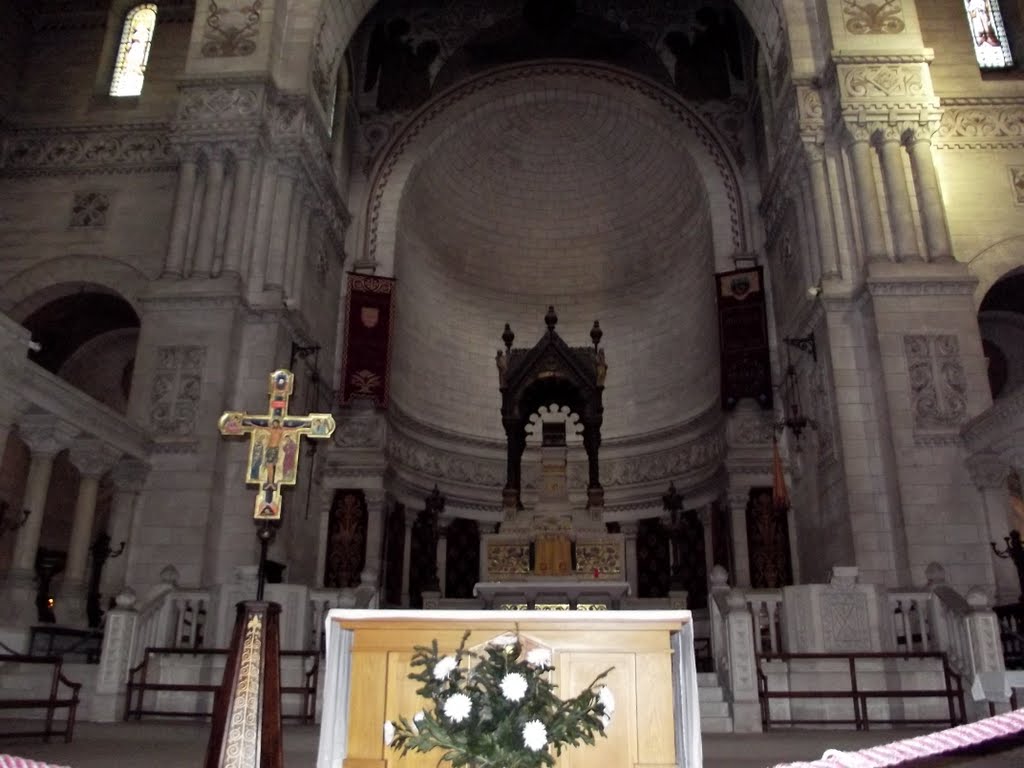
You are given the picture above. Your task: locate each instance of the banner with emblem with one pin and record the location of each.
(743, 337)
(367, 353)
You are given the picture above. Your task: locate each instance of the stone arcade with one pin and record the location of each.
(366, 192)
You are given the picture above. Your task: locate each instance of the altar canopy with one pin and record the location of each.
(654, 680)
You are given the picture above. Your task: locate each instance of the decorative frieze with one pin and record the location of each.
(226, 103)
(176, 390)
(96, 149)
(938, 386)
(232, 28)
(980, 124)
(861, 17)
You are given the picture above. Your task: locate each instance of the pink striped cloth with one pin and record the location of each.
(10, 761)
(919, 747)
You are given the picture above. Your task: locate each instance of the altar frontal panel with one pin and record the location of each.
(641, 734)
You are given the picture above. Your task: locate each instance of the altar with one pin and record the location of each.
(653, 678)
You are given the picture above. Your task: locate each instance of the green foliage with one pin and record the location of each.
(492, 734)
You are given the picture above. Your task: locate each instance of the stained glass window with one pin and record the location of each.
(133, 51)
(991, 46)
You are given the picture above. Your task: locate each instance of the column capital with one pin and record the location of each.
(375, 497)
(92, 457)
(629, 530)
(886, 133)
(130, 474)
(45, 435)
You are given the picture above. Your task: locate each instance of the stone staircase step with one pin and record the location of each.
(710, 695)
(716, 724)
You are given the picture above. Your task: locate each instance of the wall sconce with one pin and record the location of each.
(794, 418)
(11, 525)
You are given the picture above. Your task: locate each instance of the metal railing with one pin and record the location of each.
(952, 692)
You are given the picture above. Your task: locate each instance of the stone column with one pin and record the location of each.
(210, 215)
(92, 459)
(738, 510)
(241, 193)
(410, 521)
(281, 227)
(129, 476)
(261, 226)
(375, 513)
(45, 436)
(872, 230)
(442, 557)
(827, 249)
(181, 217)
(933, 213)
(629, 533)
(890, 154)
(297, 261)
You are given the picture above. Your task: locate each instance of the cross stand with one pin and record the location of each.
(246, 729)
(266, 532)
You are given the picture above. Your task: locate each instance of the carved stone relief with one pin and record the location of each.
(873, 18)
(981, 124)
(102, 149)
(232, 28)
(1017, 183)
(869, 81)
(844, 619)
(176, 390)
(938, 387)
(89, 210)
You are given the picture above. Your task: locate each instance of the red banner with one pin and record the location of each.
(367, 339)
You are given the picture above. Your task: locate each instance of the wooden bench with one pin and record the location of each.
(139, 685)
(50, 703)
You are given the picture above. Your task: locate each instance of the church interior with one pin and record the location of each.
(588, 305)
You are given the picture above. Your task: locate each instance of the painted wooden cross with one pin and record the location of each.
(274, 443)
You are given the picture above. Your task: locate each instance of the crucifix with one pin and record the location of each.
(274, 439)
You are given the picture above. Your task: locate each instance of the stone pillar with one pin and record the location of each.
(442, 558)
(261, 227)
(119, 630)
(739, 637)
(45, 436)
(933, 213)
(872, 230)
(297, 261)
(410, 521)
(181, 217)
(827, 250)
(129, 476)
(241, 193)
(890, 155)
(629, 532)
(738, 510)
(210, 214)
(375, 513)
(92, 459)
(986, 647)
(281, 227)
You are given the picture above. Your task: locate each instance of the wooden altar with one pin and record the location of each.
(654, 680)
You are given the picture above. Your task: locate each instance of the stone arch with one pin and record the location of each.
(766, 18)
(994, 263)
(41, 283)
(442, 115)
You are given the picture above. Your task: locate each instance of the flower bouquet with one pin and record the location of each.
(499, 710)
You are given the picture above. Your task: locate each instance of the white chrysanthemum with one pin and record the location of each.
(604, 695)
(444, 667)
(535, 735)
(539, 657)
(513, 686)
(389, 733)
(457, 707)
(417, 718)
